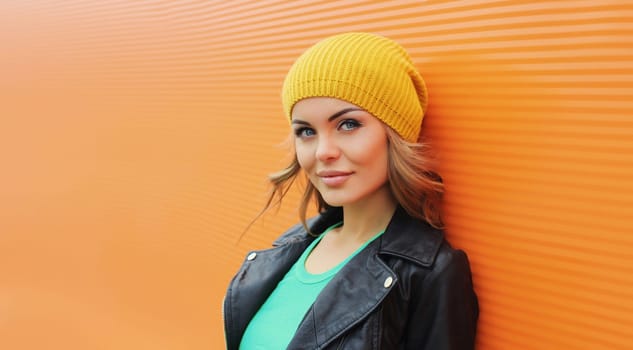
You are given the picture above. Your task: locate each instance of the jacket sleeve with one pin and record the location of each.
(444, 310)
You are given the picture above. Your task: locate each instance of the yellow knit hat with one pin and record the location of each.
(368, 70)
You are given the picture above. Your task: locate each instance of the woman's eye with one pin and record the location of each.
(349, 124)
(304, 132)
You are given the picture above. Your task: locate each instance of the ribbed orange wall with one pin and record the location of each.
(135, 138)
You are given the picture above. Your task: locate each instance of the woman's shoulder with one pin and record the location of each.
(434, 259)
(295, 233)
(412, 239)
(451, 260)
(421, 244)
(425, 258)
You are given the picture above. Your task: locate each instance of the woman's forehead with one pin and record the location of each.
(321, 107)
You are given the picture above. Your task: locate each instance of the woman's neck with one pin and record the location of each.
(364, 219)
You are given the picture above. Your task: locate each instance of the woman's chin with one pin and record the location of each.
(335, 201)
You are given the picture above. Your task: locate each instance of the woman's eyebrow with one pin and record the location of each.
(341, 112)
(332, 117)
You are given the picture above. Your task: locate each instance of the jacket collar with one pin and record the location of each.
(412, 239)
(404, 236)
(365, 280)
(351, 295)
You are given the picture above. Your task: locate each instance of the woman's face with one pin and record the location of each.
(342, 149)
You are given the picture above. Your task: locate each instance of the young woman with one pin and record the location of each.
(372, 270)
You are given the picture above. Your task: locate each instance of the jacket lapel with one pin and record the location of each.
(365, 281)
(259, 275)
(350, 297)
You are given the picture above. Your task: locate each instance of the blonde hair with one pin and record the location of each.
(416, 187)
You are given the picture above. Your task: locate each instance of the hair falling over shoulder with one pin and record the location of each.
(416, 187)
(414, 183)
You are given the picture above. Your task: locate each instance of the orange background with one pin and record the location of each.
(135, 139)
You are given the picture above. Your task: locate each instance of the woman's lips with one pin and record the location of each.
(333, 178)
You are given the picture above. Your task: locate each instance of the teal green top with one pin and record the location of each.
(276, 321)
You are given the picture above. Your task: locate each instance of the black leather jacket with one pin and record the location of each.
(408, 289)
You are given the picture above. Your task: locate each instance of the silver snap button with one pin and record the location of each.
(251, 256)
(388, 282)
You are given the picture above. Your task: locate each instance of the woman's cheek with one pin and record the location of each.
(303, 157)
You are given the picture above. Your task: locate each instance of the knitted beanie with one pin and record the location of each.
(368, 70)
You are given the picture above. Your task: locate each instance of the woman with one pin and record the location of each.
(372, 270)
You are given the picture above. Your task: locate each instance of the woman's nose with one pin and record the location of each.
(327, 149)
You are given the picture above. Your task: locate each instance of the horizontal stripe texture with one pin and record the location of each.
(137, 135)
